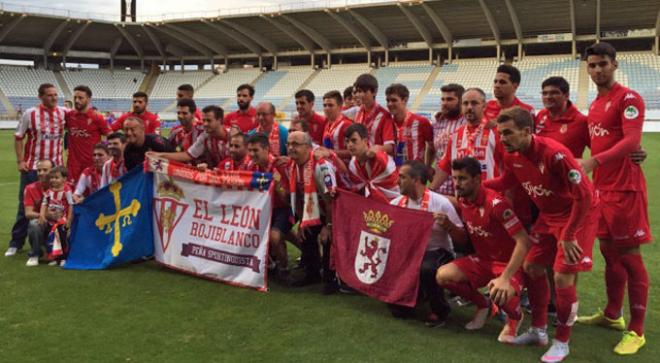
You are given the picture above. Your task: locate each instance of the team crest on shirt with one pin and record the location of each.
(542, 168)
(631, 112)
(564, 128)
(496, 201)
(574, 176)
(559, 156)
(507, 214)
(481, 211)
(629, 96)
(607, 105)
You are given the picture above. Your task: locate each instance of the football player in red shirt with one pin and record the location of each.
(245, 118)
(505, 84)
(501, 243)
(238, 158)
(184, 135)
(334, 135)
(306, 113)
(564, 233)
(140, 103)
(414, 132)
(86, 127)
(616, 118)
(187, 92)
(377, 120)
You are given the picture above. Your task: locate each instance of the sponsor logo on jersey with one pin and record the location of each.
(631, 112)
(478, 231)
(574, 176)
(597, 130)
(629, 96)
(536, 190)
(559, 156)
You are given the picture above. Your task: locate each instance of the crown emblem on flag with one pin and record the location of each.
(377, 222)
(168, 188)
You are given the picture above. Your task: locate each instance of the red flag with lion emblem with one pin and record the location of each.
(378, 248)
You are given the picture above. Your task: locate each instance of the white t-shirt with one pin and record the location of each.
(437, 204)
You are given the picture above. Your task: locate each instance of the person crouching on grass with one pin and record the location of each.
(58, 200)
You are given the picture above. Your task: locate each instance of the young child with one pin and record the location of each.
(57, 198)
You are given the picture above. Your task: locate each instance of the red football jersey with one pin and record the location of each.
(613, 118)
(85, 131)
(479, 142)
(33, 194)
(278, 172)
(89, 181)
(414, 134)
(182, 139)
(245, 121)
(493, 108)
(151, 122)
(491, 224)
(334, 134)
(44, 129)
(379, 123)
(570, 129)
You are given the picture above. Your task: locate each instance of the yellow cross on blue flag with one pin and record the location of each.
(114, 225)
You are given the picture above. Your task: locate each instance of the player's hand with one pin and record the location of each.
(443, 221)
(500, 290)
(371, 153)
(153, 154)
(326, 235)
(42, 220)
(588, 165)
(321, 153)
(23, 166)
(203, 167)
(77, 199)
(638, 156)
(281, 161)
(490, 124)
(572, 251)
(53, 215)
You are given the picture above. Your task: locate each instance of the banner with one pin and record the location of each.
(219, 230)
(378, 248)
(109, 226)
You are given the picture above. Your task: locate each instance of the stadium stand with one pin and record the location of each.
(535, 69)
(111, 90)
(277, 86)
(20, 84)
(337, 78)
(221, 89)
(412, 74)
(164, 91)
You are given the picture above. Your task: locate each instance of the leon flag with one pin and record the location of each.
(378, 248)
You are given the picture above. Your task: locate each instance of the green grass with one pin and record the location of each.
(145, 313)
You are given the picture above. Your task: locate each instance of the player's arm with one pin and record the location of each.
(449, 220)
(502, 183)
(429, 151)
(180, 156)
(19, 138)
(30, 213)
(442, 169)
(388, 135)
(500, 288)
(42, 211)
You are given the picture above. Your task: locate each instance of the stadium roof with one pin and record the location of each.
(362, 28)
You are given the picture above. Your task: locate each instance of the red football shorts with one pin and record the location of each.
(480, 271)
(624, 218)
(546, 251)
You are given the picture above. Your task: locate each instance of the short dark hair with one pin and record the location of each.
(247, 87)
(101, 146)
(418, 170)
(43, 87)
(559, 82)
(309, 95)
(359, 128)
(398, 89)
(456, 88)
(218, 112)
(261, 139)
(186, 87)
(348, 92)
(59, 170)
(471, 165)
(334, 94)
(366, 82)
(187, 102)
(601, 49)
(513, 72)
(140, 94)
(83, 88)
(117, 135)
(521, 118)
(239, 135)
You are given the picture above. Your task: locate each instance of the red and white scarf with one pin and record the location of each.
(424, 205)
(311, 209)
(273, 138)
(230, 164)
(378, 176)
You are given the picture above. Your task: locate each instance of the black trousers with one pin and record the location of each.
(311, 257)
(20, 229)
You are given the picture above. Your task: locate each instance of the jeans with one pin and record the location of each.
(37, 235)
(20, 228)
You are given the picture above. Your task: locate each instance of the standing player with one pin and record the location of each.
(564, 232)
(85, 127)
(184, 135)
(245, 118)
(187, 92)
(373, 116)
(616, 118)
(449, 119)
(305, 107)
(277, 133)
(114, 168)
(334, 135)
(150, 120)
(415, 134)
(507, 80)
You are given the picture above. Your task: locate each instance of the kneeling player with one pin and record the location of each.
(501, 244)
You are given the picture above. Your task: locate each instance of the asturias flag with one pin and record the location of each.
(378, 248)
(113, 225)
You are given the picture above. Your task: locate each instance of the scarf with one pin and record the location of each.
(424, 205)
(311, 211)
(273, 138)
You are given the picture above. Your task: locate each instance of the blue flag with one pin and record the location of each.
(114, 225)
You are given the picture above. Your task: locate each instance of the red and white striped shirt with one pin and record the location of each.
(112, 171)
(414, 133)
(44, 129)
(379, 123)
(334, 135)
(214, 148)
(478, 142)
(58, 200)
(89, 182)
(378, 177)
(182, 139)
(443, 128)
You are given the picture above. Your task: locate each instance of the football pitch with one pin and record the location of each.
(146, 313)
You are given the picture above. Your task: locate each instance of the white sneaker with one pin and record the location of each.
(557, 352)
(11, 251)
(62, 262)
(533, 336)
(32, 261)
(52, 263)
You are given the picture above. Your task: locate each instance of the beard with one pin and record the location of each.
(243, 106)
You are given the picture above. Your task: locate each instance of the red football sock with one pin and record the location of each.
(616, 277)
(466, 291)
(567, 306)
(638, 290)
(512, 308)
(538, 291)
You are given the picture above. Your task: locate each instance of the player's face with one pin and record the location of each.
(356, 145)
(243, 99)
(502, 86)
(115, 147)
(601, 69)
(43, 169)
(357, 101)
(304, 107)
(465, 185)
(364, 96)
(296, 147)
(553, 98)
(406, 182)
(237, 149)
(99, 157)
(49, 97)
(183, 95)
(184, 115)
(348, 101)
(450, 104)
(513, 139)
(210, 122)
(134, 132)
(330, 108)
(257, 153)
(264, 117)
(55, 180)
(396, 104)
(473, 107)
(139, 105)
(80, 100)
